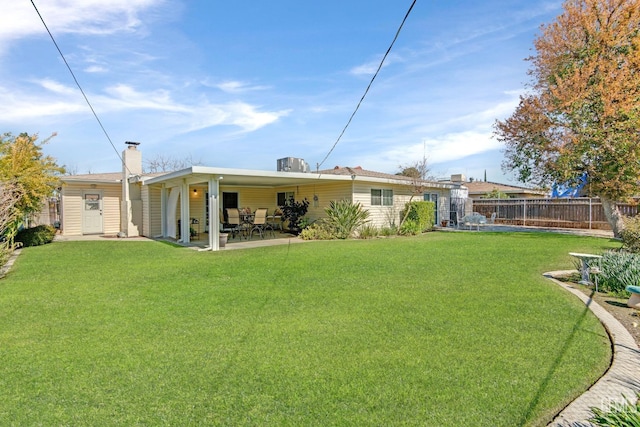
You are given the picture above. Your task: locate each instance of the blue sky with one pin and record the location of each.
(241, 84)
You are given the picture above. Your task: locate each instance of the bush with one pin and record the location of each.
(319, 230)
(345, 217)
(618, 270)
(410, 227)
(630, 234)
(623, 415)
(368, 231)
(35, 236)
(389, 231)
(420, 217)
(293, 212)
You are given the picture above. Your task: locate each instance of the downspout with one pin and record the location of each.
(163, 210)
(214, 213)
(185, 237)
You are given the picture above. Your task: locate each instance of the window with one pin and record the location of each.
(381, 197)
(284, 197)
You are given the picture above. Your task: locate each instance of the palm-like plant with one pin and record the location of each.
(345, 217)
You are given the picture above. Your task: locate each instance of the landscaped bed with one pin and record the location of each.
(444, 329)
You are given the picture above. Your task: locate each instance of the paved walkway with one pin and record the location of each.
(522, 228)
(622, 380)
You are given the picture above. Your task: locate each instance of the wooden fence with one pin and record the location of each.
(585, 213)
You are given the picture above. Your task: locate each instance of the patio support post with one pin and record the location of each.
(184, 213)
(214, 213)
(163, 210)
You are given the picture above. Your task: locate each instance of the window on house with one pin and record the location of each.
(284, 196)
(381, 197)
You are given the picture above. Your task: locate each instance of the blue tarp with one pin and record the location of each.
(564, 190)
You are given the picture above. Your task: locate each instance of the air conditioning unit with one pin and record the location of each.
(292, 164)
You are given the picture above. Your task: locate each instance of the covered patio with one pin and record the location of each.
(192, 198)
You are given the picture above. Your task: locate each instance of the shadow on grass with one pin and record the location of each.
(170, 243)
(556, 362)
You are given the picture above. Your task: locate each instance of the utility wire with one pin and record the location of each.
(369, 86)
(80, 87)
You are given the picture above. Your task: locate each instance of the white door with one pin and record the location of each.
(92, 213)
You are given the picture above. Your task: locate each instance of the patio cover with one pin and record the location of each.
(212, 176)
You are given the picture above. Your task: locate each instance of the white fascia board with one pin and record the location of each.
(91, 181)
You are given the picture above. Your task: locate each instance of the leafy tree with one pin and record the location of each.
(495, 194)
(582, 113)
(31, 175)
(418, 173)
(8, 216)
(410, 171)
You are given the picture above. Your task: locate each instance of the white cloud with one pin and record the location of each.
(369, 68)
(235, 86)
(60, 100)
(95, 69)
(19, 19)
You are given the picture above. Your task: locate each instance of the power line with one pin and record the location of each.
(80, 87)
(369, 86)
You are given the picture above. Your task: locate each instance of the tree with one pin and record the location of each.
(161, 163)
(8, 217)
(417, 172)
(582, 113)
(495, 194)
(32, 177)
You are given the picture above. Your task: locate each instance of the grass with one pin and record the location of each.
(446, 329)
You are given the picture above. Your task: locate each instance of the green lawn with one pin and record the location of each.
(445, 329)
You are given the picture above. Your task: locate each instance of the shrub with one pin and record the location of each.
(345, 217)
(36, 236)
(368, 231)
(618, 270)
(630, 234)
(389, 231)
(420, 217)
(622, 415)
(293, 212)
(319, 230)
(410, 227)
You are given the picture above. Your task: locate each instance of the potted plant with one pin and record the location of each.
(223, 239)
(293, 212)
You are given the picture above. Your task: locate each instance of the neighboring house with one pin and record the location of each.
(478, 189)
(167, 205)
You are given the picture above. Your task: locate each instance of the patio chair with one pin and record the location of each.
(234, 223)
(275, 220)
(259, 223)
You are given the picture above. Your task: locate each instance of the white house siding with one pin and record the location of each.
(385, 216)
(72, 207)
(253, 197)
(151, 211)
(197, 205)
(325, 194)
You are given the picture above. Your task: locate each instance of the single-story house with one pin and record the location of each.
(478, 189)
(166, 205)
